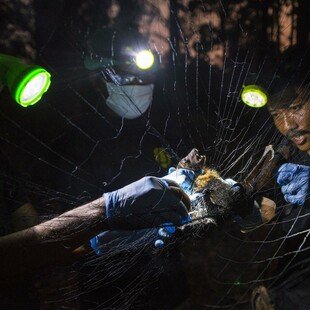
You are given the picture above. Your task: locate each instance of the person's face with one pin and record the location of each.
(293, 121)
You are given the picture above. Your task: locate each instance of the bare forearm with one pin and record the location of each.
(52, 241)
(74, 227)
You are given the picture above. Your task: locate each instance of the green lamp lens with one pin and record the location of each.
(254, 96)
(144, 59)
(27, 83)
(31, 85)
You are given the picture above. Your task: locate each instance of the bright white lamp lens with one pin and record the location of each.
(254, 99)
(34, 87)
(144, 59)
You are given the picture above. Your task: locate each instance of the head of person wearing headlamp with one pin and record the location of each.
(290, 110)
(289, 106)
(128, 68)
(288, 102)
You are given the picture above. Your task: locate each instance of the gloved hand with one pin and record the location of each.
(125, 240)
(294, 182)
(185, 178)
(113, 241)
(148, 202)
(167, 231)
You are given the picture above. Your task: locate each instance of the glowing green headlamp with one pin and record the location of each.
(254, 96)
(27, 83)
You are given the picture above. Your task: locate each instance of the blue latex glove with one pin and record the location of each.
(149, 189)
(294, 182)
(148, 202)
(125, 240)
(167, 231)
(185, 178)
(122, 240)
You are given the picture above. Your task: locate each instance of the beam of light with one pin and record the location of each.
(144, 59)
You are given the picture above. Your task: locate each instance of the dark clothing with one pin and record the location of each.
(12, 195)
(292, 290)
(294, 293)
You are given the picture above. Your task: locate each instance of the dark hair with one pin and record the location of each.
(290, 78)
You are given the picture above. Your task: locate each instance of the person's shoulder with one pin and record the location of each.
(301, 158)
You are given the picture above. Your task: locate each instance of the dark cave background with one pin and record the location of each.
(66, 129)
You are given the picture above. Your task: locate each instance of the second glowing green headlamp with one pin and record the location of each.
(254, 96)
(26, 83)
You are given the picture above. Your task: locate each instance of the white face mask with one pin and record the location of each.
(129, 101)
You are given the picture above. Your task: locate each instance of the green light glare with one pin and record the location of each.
(254, 96)
(26, 83)
(31, 86)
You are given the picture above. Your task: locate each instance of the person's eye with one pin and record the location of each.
(274, 114)
(296, 107)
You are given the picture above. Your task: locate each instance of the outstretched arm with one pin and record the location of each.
(50, 242)
(148, 202)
